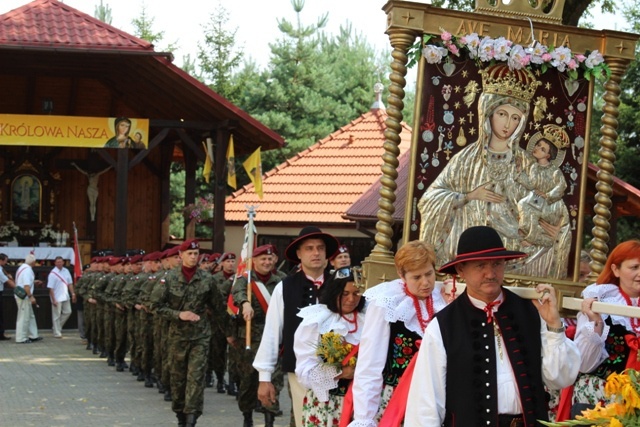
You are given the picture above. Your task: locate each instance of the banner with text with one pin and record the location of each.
(71, 131)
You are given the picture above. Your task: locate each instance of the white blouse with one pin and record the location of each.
(317, 320)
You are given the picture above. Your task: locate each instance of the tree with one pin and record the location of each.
(143, 28)
(103, 13)
(219, 57)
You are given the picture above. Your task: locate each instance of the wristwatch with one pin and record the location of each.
(556, 330)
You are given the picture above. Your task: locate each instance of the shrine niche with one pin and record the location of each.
(29, 198)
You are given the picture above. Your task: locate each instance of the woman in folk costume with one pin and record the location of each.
(337, 318)
(397, 314)
(606, 342)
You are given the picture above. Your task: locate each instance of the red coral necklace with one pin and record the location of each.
(353, 322)
(416, 304)
(635, 323)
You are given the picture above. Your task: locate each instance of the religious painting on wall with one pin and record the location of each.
(26, 197)
(502, 140)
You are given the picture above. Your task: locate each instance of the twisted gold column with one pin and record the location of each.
(604, 186)
(379, 266)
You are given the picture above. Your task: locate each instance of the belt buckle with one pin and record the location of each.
(517, 422)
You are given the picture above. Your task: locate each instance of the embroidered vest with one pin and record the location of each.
(402, 348)
(472, 389)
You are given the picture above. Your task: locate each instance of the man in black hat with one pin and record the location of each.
(310, 249)
(486, 357)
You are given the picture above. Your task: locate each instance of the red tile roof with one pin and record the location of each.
(322, 182)
(51, 23)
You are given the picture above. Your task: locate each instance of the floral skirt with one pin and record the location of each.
(316, 413)
(589, 389)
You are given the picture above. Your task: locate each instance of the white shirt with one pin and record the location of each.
(318, 320)
(426, 405)
(25, 276)
(387, 302)
(267, 354)
(59, 280)
(3, 279)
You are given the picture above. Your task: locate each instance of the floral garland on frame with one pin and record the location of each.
(201, 210)
(489, 51)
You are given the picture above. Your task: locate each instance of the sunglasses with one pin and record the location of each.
(345, 272)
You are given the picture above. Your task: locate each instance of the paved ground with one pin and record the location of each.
(57, 383)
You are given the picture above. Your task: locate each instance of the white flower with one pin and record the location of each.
(560, 58)
(485, 51)
(501, 49)
(434, 54)
(536, 54)
(594, 59)
(517, 58)
(472, 42)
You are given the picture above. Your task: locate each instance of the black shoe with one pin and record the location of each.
(161, 389)
(182, 419)
(142, 377)
(148, 382)
(208, 380)
(36, 339)
(248, 419)
(120, 366)
(124, 365)
(4, 338)
(167, 396)
(95, 350)
(27, 341)
(221, 386)
(103, 354)
(111, 361)
(231, 389)
(88, 347)
(191, 420)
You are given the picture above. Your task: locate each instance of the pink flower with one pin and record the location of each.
(580, 58)
(445, 36)
(454, 49)
(572, 65)
(546, 57)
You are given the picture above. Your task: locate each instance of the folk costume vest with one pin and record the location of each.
(402, 348)
(469, 340)
(297, 292)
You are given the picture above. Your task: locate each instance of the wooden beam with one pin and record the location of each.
(122, 185)
(189, 142)
(152, 144)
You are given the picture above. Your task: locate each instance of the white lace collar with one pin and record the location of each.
(399, 306)
(328, 321)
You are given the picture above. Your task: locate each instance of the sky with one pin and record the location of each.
(255, 20)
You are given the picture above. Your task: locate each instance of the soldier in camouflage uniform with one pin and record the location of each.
(264, 281)
(144, 340)
(104, 289)
(82, 289)
(223, 357)
(128, 301)
(92, 297)
(119, 315)
(187, 294)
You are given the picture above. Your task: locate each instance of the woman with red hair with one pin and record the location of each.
(605, 341)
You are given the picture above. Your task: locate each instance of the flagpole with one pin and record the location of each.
(251, 213)
(77, 267)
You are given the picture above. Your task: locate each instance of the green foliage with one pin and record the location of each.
(143, 28)
(103, 13)
(219, 57)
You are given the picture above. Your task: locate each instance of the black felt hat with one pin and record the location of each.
(311, 232)
(479, 243)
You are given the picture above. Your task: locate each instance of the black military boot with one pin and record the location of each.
(232, 390)
(111, 361)
(191, 420)
(121, 366)
(221, 384)
(208, 379)
(161, 389)
(148, 381)
(142, 377)
(95, 349)
(182, 419)
(248, 419)
(167, 395)
(103, 354)
(89, 346)
(268, 419)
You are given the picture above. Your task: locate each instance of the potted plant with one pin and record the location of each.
(47, 235)
(201, 210)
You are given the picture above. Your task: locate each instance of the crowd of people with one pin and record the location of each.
(404, 352)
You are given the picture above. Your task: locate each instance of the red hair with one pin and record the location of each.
(624, 251)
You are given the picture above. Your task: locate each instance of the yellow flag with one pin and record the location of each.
(206, 170)
(231, 165)
(253, 166)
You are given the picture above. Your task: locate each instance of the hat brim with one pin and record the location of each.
(330, 242)
(450, 267)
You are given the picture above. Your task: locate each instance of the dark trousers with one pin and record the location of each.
(1, 315)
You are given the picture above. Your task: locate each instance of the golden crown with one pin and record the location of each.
(556, 135)
(501, 80)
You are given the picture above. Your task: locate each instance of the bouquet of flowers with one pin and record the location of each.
(9, 232)
(333, 349)
(201, 210)
(489, 50)
(623, 411)
(48, 234)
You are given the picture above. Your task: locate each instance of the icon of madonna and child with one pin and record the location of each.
(514, 176)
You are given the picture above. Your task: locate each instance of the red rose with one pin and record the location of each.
(398, 341)
(407, 350)
(401, 361)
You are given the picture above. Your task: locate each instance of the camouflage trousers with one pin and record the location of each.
(109, 328)
(144, 341)
(120, 333)
(188, 366)
(132, 336)
(218, 352)
(88, 321)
